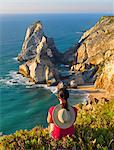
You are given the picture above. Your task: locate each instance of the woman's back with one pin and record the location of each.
(58, 132)
(62, 116)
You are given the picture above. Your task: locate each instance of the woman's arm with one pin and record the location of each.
(49, 118)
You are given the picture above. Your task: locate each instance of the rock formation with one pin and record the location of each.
(91, 60)
(106, 79)
(39, 56)
(95, 55)
(69, 56)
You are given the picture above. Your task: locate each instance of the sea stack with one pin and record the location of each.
(39, 56)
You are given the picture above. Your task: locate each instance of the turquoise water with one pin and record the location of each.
(23, 106)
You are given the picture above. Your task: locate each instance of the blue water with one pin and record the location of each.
(23, 106)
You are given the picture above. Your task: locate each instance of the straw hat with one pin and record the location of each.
(63, 118)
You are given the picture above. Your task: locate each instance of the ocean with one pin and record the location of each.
(23, 106)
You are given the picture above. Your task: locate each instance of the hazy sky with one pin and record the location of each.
(55, 6)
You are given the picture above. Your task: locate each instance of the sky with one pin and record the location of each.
(55, 6)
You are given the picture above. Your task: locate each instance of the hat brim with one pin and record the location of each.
(60, 124)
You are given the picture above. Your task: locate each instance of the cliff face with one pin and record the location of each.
(95, 56)
(39, 55)
(106, 79)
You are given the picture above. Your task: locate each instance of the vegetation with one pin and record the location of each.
(102, 18)
(94, 129)
(110, 17)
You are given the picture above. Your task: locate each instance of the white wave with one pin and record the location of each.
(53, 89)
(62, 65)
(13, 78)
(36, 86)
(15, 58)
(79, 32)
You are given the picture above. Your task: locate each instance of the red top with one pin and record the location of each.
(57, 132)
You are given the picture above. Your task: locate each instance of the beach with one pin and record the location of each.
(96, 93)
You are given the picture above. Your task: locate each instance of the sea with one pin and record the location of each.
(22, 105)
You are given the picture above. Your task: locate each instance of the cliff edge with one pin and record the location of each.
(95, 55)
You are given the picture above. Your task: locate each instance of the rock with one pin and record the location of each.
(40, 56)
(108, 54)
(82, 53)
(69, 56)
(96, 60)
(37, 44)
(60, 85)
(91, 60)
(76, 67)
(96, 50)
(77, 79)
(106, 78)
(23, 69)
(89, 75)
(33, 39)
(40, 72)
(73, 84)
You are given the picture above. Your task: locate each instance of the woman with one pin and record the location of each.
(62, 116)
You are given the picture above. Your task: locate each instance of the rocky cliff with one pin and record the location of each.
(91, 60)
(95, 55)
(39, 56)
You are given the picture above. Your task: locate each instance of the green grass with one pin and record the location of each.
(111, 18)
(102, 18)
(94, 130)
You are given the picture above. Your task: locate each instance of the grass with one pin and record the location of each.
(94, 130)
(111, 18)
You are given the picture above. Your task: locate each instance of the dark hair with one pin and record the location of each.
(64, 94)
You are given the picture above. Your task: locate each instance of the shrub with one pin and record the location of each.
(94, 130)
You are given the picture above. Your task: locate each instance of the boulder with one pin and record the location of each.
(73, 84)
(76, 79)
(39, 72)
(78, 67)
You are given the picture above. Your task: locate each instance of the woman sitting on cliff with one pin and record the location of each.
(62, 116)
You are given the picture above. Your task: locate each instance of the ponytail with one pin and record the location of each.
(63, 94)
(65, 105)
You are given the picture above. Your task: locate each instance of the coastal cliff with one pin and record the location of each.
(91, 60)
(95, 55)
(39, 56)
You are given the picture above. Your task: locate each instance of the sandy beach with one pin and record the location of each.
(96, 93)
